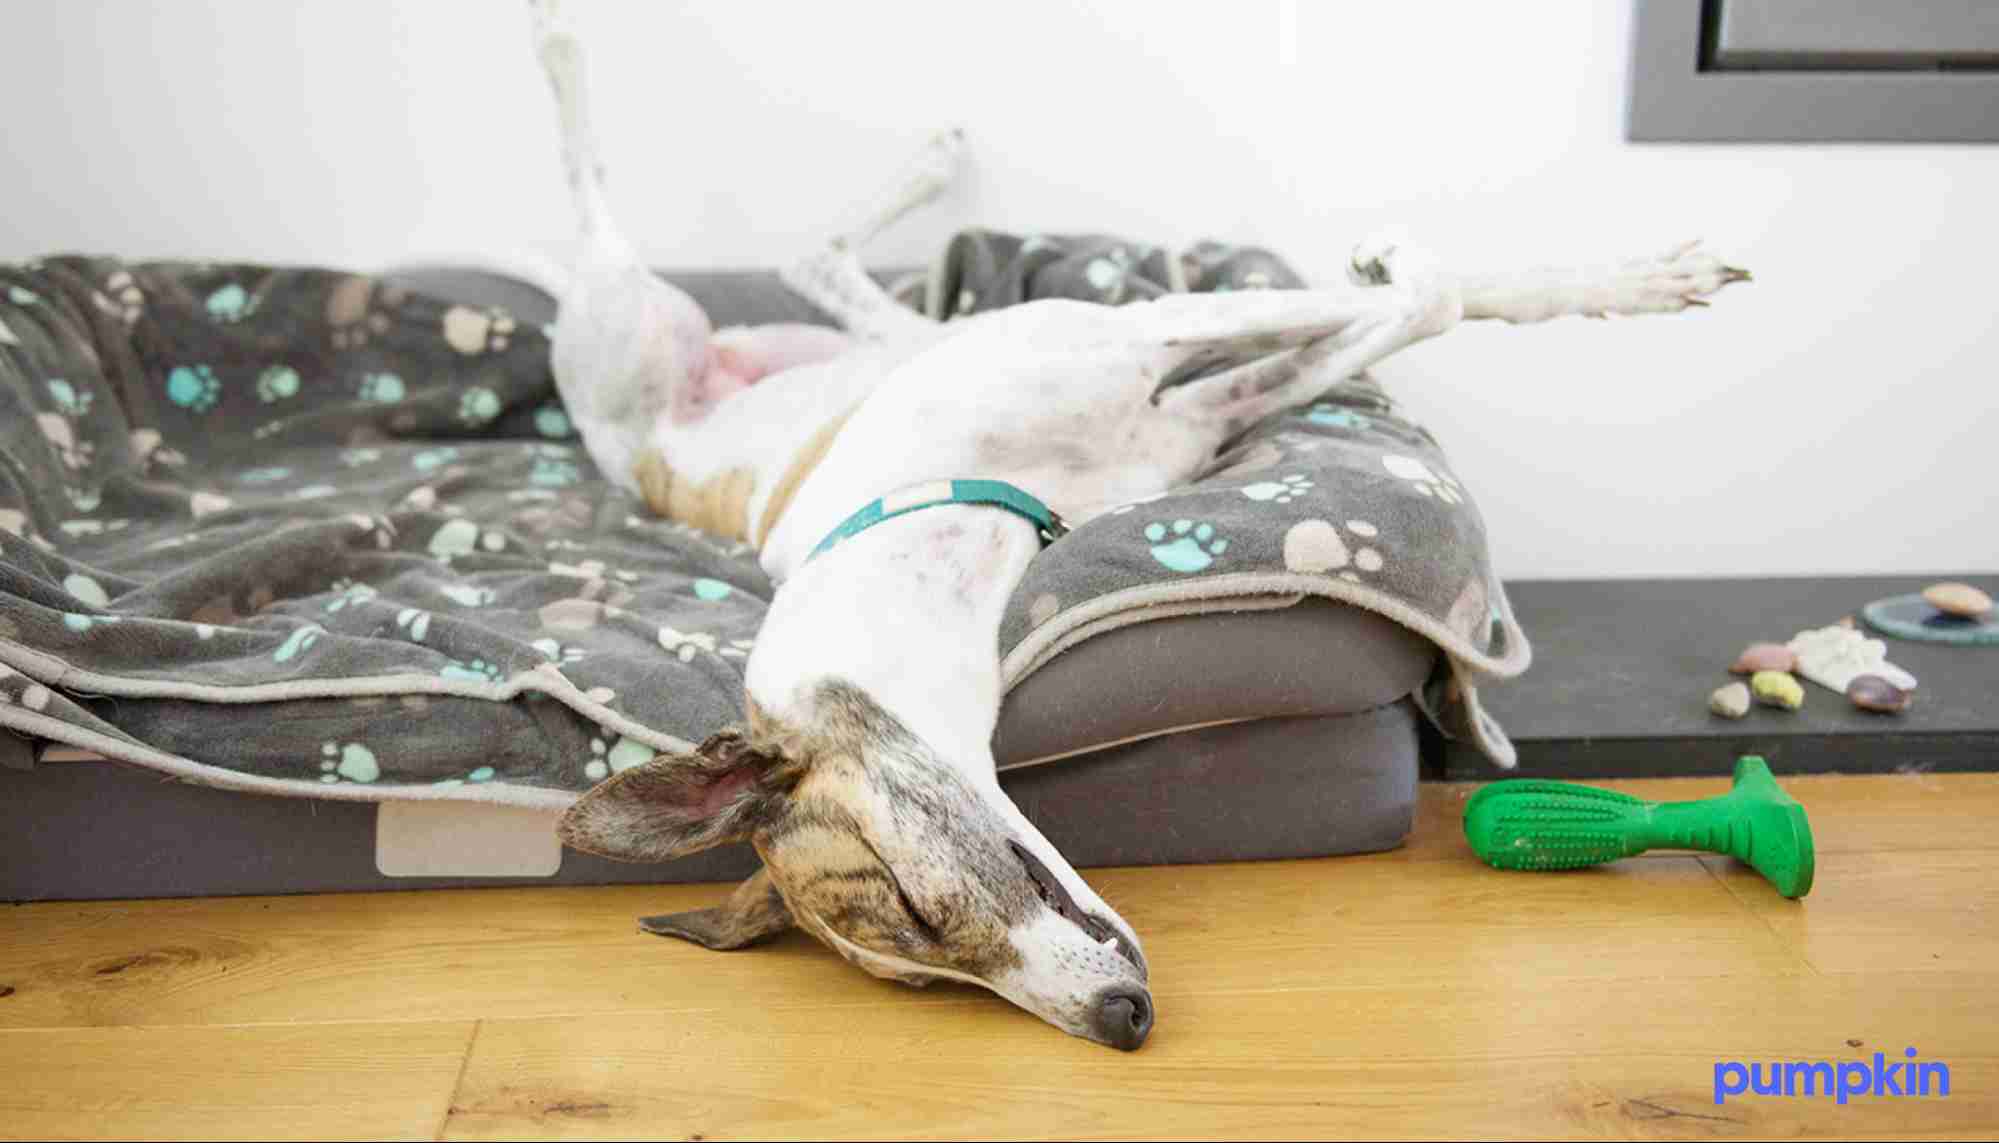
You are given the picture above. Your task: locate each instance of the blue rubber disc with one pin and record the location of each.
(1913, 617)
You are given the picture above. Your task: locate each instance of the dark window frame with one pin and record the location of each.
(1672, 99)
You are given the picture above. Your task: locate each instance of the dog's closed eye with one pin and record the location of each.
(1058, 898)
(930, 931)
(924, 926)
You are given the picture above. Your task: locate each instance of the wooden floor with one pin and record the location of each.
(1407, 994)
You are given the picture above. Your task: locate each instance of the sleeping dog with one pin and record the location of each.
(897, 476)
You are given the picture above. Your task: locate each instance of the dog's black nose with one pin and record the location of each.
(1124, 1017)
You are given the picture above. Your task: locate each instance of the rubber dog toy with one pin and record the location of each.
(1526, 824)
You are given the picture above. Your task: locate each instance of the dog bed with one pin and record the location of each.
(307, 533)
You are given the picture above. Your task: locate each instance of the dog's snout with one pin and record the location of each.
(1124, 1017)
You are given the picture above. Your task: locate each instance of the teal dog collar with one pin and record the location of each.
(936, 493)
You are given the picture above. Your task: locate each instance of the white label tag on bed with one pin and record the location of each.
(465, 839)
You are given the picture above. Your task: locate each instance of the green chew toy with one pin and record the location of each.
(1526, 824)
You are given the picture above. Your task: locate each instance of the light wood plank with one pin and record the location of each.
(1396, 995)
(1902, 912)
(495, 953)
(1529, 1060)
(324, 1081)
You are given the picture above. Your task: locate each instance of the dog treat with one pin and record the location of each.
(1834, 656)
(1532, 825)
(1765, 657)
(1872, 692)
(1959, 599)
(1731, 701)
(1777, 688)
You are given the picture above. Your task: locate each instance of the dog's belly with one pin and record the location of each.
(727, 503)
(734, 472)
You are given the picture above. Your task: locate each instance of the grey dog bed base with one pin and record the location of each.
(1258, 789)
(1299, 739)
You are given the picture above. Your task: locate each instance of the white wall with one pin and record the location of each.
(1838, 415)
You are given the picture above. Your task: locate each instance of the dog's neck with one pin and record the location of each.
(909, 611)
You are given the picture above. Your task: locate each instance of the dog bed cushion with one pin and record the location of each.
(312, 533)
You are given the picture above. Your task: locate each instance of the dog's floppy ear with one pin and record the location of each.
(753, 913)
(678, 804)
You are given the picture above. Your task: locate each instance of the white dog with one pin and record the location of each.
(864, 776)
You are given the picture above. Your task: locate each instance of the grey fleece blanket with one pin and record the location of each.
(298, 532)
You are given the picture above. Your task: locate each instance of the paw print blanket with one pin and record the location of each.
(302, 532)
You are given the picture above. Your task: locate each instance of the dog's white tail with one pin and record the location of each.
(561, 56)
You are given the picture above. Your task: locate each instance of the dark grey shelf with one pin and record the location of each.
(1622, 670)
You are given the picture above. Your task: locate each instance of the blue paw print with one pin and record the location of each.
(347, 593)
(1190, 548)
(1338, 418)
(382, 388)
(193, 387)
(476, 671)
(478, 405)
(430, 459)
(68, 399)
(263, 475)
(277, 383)
(1280, 491)
(711, 589)
(298, 643)
(552, 421)
(230, 303)
(551, 473)
(78, 622)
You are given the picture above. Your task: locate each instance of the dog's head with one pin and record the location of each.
(901, 863)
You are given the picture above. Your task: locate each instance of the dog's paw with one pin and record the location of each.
(1373, 261)
(1673, 281)
(1388, 257)
(942, 157)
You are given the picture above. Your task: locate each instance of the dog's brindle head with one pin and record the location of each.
(898, 861)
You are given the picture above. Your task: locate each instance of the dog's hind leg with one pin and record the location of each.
(1667, 283)
(561, 56)
(834, 279)
(1311, 340)
(1291, 345)
(628, 349)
